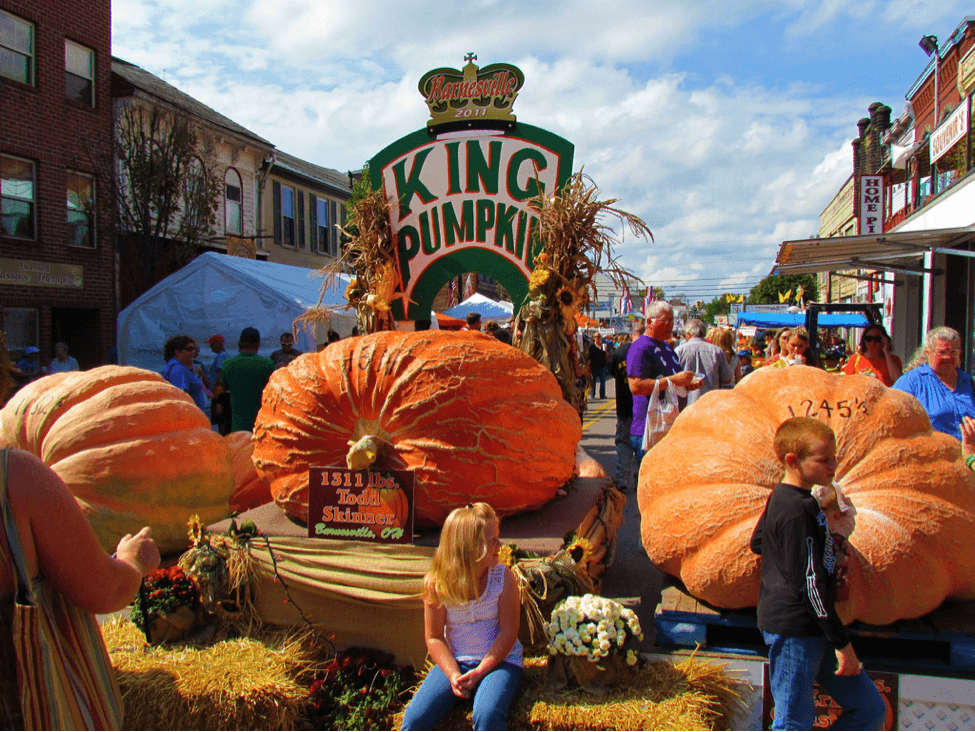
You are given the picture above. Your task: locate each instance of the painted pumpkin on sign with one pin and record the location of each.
(132, 448)
(704, 486)
(474, 418)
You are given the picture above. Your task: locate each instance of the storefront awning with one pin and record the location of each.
(891, 252)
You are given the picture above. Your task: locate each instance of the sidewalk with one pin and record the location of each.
(632, 580)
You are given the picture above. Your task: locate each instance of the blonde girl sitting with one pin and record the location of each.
(471, 612)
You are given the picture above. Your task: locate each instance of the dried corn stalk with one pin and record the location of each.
(371, 256)
(577, 244)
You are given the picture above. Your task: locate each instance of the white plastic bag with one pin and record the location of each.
(661, 413)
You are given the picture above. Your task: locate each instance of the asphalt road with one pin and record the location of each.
(632, 579)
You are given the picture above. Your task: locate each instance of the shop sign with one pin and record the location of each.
(966, 72)
(40, 274)
(460, 199)
(360, 505)
(828, 711)
(950, 131)
(871, 204)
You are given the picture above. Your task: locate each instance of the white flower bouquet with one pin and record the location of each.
(592, 627)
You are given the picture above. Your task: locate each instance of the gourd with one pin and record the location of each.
(250, 489)
(703, 487)
(474, 418)
(132, 448)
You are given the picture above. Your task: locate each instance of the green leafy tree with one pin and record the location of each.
(718, 306)
(767, 291)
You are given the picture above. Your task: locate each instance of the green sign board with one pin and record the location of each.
(459, 189)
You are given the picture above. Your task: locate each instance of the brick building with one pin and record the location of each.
(57, 258)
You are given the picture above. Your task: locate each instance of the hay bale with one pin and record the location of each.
(659, 695)
(241, 683)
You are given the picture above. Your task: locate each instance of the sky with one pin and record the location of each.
(726, 126)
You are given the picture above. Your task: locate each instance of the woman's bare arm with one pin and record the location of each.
(64, 546)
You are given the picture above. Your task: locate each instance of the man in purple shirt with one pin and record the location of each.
(651, 359)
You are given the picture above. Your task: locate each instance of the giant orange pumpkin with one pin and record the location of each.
(476, 419)
(250, 489)
(704, 486)
(132, 448)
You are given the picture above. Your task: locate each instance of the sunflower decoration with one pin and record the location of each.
(576, 245)
(369, 253)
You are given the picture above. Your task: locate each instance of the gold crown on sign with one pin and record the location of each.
(471, 94)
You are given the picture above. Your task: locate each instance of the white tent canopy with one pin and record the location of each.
(489, 309)
(219, 294)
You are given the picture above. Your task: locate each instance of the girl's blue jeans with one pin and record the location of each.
(492, 698)
(794, 663)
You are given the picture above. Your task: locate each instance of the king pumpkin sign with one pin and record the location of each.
(459, 190)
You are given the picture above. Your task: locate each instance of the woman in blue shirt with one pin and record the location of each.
(179, 352)
(935, 378)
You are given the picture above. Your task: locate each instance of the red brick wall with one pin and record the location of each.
(39, 124)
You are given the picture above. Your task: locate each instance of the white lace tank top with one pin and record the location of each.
(473, 627)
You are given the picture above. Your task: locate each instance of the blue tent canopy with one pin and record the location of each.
(786, 320)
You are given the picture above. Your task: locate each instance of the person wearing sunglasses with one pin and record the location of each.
(873, 357)
(180, 371)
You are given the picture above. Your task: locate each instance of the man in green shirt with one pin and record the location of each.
(245, 377)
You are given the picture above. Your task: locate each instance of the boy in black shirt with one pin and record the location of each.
(796, 603)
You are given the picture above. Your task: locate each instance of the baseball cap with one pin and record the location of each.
(31, 350)
(217, 338)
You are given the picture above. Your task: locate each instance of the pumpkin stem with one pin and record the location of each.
(363, 453)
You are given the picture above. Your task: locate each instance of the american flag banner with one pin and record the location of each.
(626, 304)
(647, 299)
(452, 293)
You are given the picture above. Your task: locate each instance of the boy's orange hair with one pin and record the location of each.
(797, 435)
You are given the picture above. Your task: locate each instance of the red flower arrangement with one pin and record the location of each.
(359, 689)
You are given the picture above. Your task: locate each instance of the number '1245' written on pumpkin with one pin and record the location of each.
(843, 408)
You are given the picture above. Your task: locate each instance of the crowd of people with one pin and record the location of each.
(471, 603)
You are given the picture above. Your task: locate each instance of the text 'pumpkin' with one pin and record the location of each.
(704, 486)
(476, 419)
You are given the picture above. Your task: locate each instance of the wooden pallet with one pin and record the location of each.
(942, 640)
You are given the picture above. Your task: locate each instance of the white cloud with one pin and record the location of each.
(722, 168)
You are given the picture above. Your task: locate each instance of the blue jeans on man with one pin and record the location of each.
(794, 663)
(600, 376)
(636, 444)
(492, 698)
(623, 473)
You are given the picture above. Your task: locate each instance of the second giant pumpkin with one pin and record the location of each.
(703, 487)
(477, 420)
(132, 448)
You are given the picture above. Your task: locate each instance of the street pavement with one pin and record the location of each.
(632, 580)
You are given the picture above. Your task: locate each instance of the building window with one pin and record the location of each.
(79, 76)
(233, 203)
(287, 216)
(18, 194)
(16, 48)
(20, 328)
(323, 228)
(81, 210)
